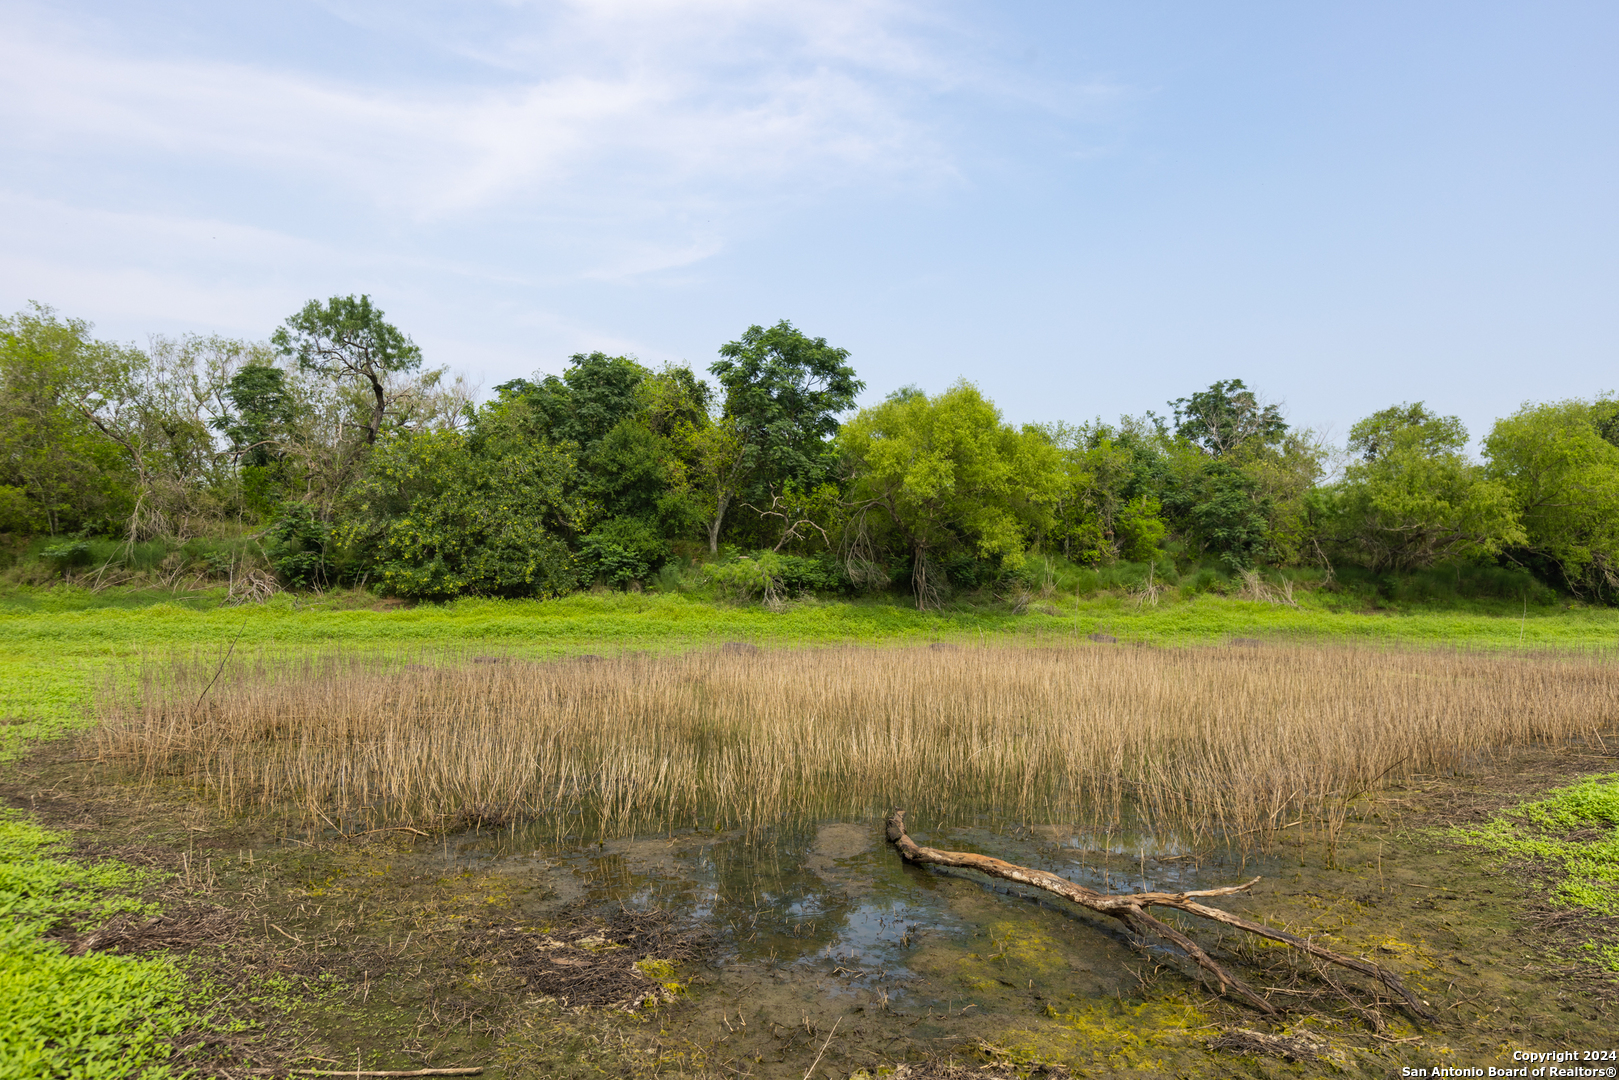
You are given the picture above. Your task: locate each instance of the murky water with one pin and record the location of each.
(825, 920)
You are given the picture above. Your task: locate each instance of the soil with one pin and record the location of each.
(815, 950)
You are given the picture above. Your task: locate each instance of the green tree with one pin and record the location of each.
(1605, 418)
(1227, 513)
(715, 457)
(434, 518)
(784, 392)
(627, 427)
(264, 409)
(1226, 418)
(57, 474)
(1286, 475)
(948, 474)
(1409, 426)
(347, 339)
(1107, 508)
(1563, 476)
(259, 425)
(591, 397)
(1414, 499)
(1244, 494)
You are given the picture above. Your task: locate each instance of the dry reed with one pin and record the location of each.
(1209, 744)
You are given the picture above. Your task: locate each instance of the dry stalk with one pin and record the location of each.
(1255, 587)
(1197, 745)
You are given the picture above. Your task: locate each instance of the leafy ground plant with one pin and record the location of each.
(1572, 836)
(92, 1015)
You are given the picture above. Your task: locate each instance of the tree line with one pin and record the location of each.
(333, 455)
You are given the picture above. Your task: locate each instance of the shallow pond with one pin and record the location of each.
(824, 924)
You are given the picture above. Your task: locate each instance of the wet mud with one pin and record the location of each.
(814, 950)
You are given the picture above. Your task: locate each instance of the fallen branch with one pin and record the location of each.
(1288, 1047)
(1131, 910)
(473, 1071)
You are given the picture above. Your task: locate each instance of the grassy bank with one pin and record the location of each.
(56, 644)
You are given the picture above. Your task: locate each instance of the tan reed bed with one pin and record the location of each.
(1207, 743)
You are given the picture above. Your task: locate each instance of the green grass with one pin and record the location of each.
(58, 644)
(1574, 831)
(89, 1016)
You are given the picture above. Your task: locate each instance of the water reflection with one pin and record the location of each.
(831, 907)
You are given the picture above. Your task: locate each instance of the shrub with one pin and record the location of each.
(68, 554)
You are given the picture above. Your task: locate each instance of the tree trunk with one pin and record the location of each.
(927, 593)
(378, 411)
(720, 506)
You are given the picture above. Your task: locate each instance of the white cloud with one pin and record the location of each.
(641, 106)
(502, 154)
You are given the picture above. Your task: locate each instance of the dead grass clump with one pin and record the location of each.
(1208, 744)
(617, 964)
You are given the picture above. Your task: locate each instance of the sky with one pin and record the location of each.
(1085, 209)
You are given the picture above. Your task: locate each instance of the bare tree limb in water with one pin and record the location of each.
(1131, 910)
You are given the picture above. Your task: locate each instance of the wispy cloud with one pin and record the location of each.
(641, 106)
(499, 152)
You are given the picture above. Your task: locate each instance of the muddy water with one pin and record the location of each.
(824, 942)
(824, 925)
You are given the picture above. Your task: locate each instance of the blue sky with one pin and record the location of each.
(1086, 209)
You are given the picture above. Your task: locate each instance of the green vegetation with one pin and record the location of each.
(332, 457)
(1574, 833)
(94, 1015)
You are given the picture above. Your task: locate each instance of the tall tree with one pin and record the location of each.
(56, 472)
(347, 339)
(784, 391)
(947, 473)
(263, 410)
(626, 426)
(1226, 418)
(438, 514)
(1108, 508)
(1564, 479)
(1414, 499)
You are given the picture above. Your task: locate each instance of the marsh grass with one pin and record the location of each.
(1208, 744)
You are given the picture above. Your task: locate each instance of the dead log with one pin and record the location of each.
(1131, 910)
(474, 1070)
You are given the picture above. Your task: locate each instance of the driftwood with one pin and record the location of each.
(1131, 910)
(1288, 1047)
(472, 1071)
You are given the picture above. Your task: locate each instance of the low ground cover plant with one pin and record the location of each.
(1572, 836)
(91, 1015)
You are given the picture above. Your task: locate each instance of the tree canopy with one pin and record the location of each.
(337, 457)
(1226, 418)
(348, 338)
(947, 473)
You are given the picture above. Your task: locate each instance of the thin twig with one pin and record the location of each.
(824, 1045)
(472, 1071)
(220, 668)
